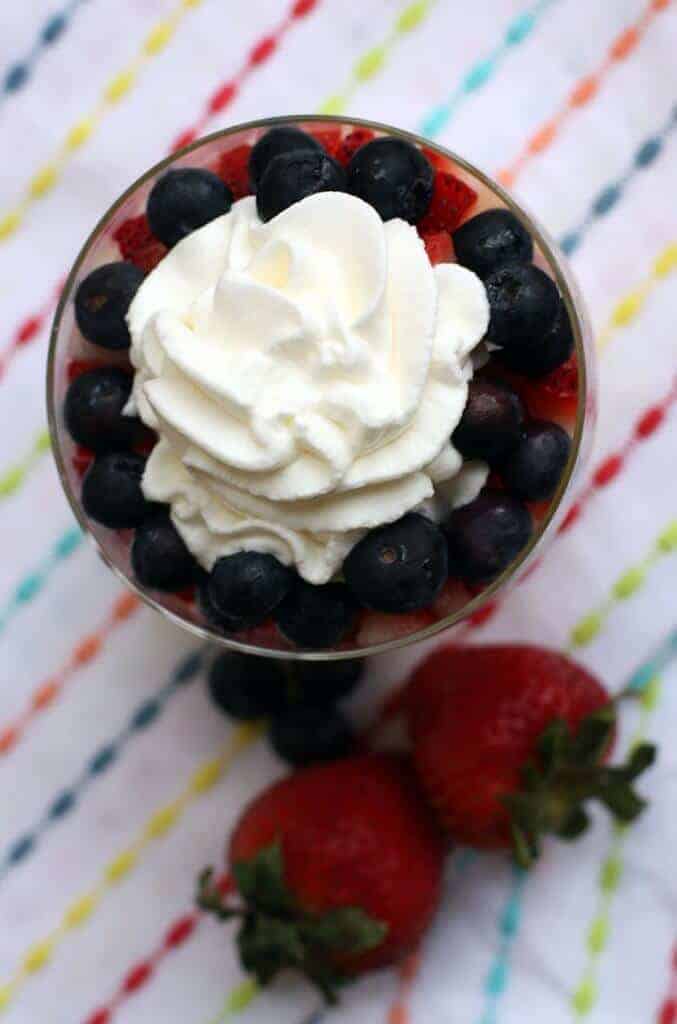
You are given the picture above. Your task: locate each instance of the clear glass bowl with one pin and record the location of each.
(376, 634)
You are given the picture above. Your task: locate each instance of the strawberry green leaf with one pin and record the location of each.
(346, 930)
(575, 825)
(642, 757)
(567, 772)
(267, 945)
(260, 881)
(594, 736)
(277, 934)
(210, 899)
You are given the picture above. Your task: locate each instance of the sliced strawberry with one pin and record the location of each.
(266, 635)
(76, 367)
(435, 158)
(454, 597)
(82, 460)
(352, 142)
(233, 168)
(378, 628)
(451, 200)
(439, 246)
(138, 244)
(555, 396)
(329, 139)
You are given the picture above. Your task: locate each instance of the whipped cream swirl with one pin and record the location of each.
(304, 376)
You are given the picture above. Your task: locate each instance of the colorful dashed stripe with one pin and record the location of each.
(29, 330)
(626, 586)
(374, 61)
(610, 195)
(649, 421)
(647, 682)
(32, 585)
(517, 32)
(629, 307)
(19, 73)
(14, 477)
(141, 973)
(161, 822)
(583, 92)
(69, 798)
(498, 976)
(85, 651)
(227, 91)
(117, 89)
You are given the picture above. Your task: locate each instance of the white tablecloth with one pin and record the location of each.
(546, 956)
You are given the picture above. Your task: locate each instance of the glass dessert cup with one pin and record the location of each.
(374, 633)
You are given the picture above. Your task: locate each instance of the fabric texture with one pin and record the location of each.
(589, 935)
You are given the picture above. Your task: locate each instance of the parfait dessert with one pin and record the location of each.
(316, 387)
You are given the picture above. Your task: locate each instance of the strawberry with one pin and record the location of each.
(451, 200)
(436, 159)
(352, 142)
(233, 168)
(555, 396)
(338, 870)
(438, 245)
(76, 367)
(509, 743)
(329, 139)
(82, 460)
(138, 244)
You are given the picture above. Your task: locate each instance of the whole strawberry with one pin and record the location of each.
(338, 870)
(510, 742)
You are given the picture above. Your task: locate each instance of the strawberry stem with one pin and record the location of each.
(568, 771)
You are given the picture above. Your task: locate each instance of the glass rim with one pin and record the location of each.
(570, 296)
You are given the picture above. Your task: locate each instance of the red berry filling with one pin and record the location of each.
(555, 395)
(438, 245)
(433, 157)
(138, 244)
(233, 168)
(329, 139)
(82, 460)
(451, 200)
(352, 142)
(76, 367)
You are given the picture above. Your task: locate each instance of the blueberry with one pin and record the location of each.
(302, 735)
(273, 143)
(316, 616)
(399, 567)
(485, 536)
(523, 303)
(243, 589)
(111, 491)
(186, 199)
(324, 683)
(491, 424)
(394, 177)
(102, 301)
(292, 176)
(533, 471)
(93, 410)
(491, 240)
(247, 687)
(224, 623)
(546, 352)
(160, 558)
